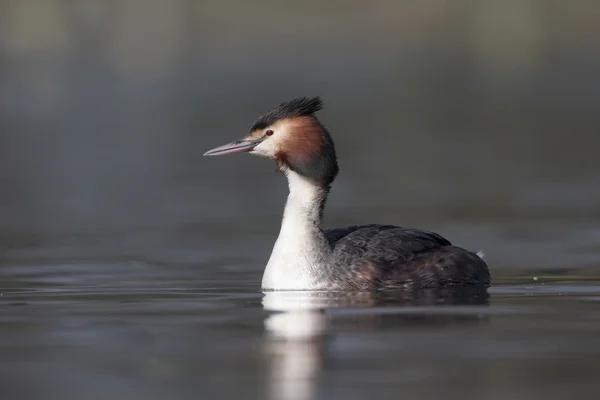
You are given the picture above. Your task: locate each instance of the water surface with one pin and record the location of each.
(121, 320)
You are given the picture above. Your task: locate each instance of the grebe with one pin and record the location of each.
(360, 257)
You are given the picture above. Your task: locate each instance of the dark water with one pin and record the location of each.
(130, 266)
(99, 318)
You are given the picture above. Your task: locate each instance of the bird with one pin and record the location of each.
(306, 256)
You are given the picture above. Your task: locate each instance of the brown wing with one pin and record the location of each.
(386, 256)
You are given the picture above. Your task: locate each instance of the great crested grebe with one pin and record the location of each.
(360, 257)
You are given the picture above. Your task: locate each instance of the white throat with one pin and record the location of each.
(301, 251)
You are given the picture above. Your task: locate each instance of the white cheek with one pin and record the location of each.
(268, 148)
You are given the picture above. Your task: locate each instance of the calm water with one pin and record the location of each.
(178, 314)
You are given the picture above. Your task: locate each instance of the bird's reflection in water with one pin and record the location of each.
(302, 326)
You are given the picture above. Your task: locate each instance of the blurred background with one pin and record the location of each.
(476, 118)
(475, 109)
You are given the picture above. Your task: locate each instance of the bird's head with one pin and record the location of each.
(293, 136)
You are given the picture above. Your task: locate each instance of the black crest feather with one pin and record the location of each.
(288, 109)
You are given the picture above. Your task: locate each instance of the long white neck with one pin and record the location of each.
(301, 252)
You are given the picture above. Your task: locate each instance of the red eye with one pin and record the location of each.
(269, 132)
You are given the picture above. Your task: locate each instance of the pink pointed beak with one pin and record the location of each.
(239, 146)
